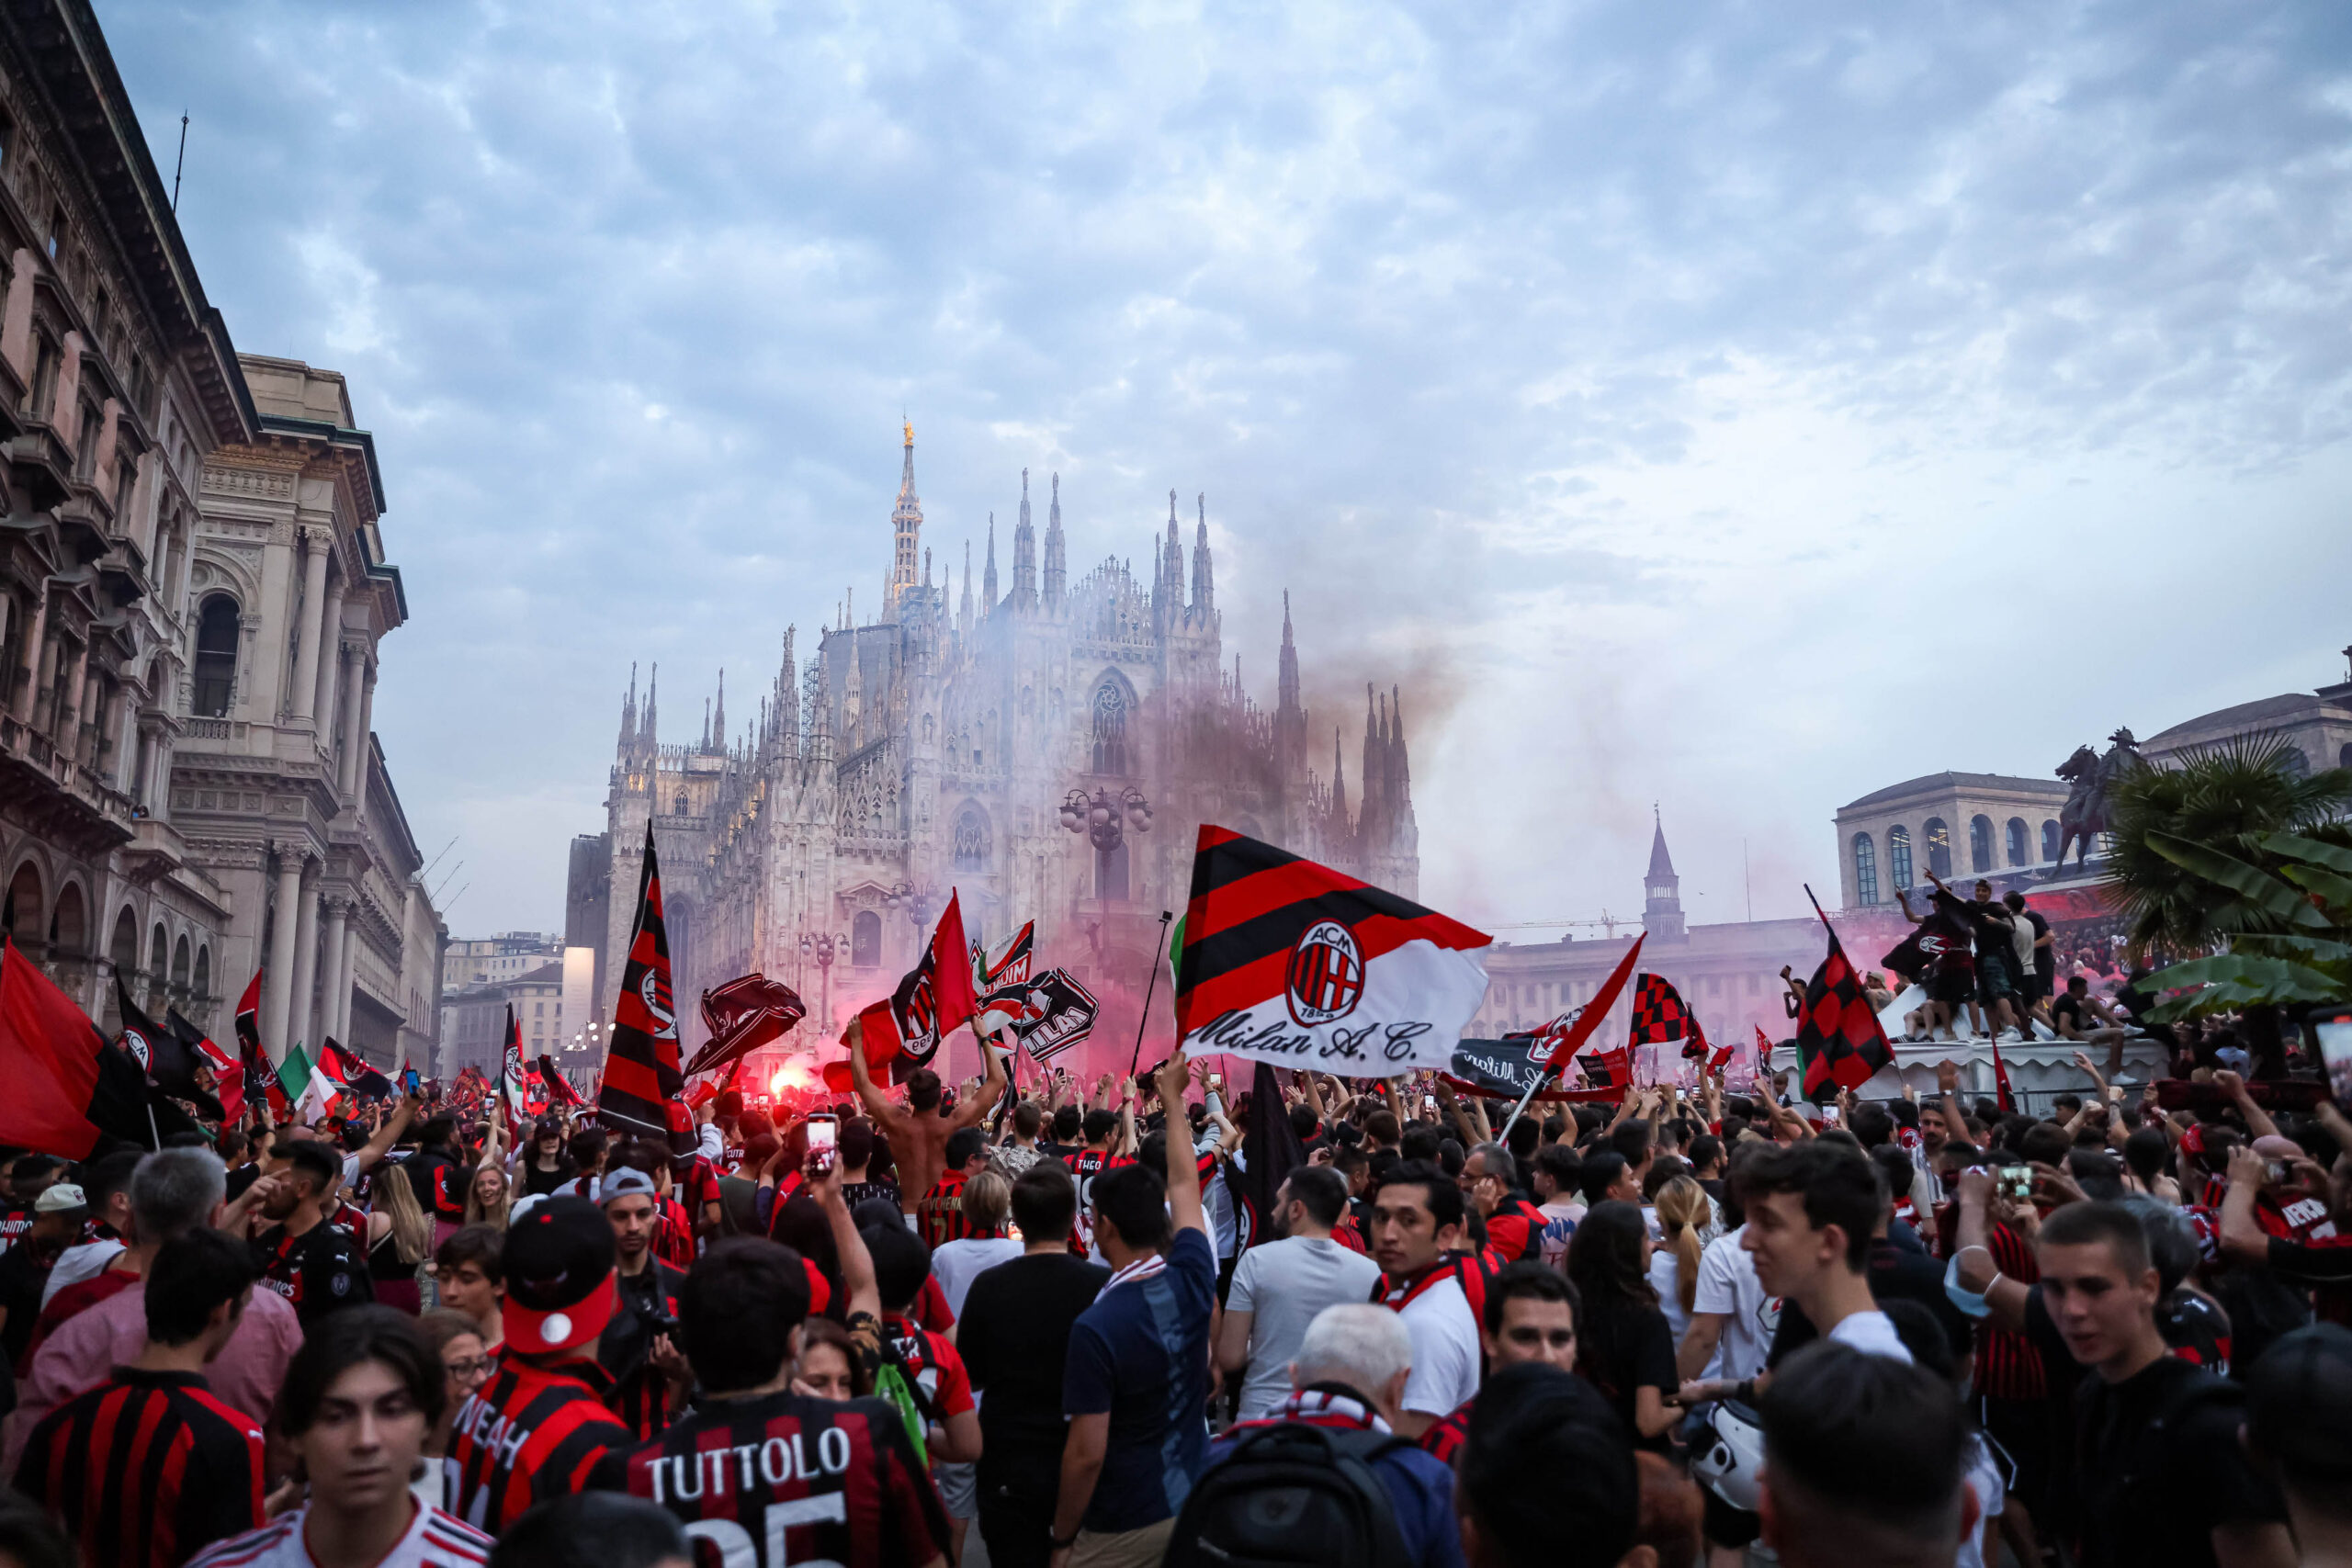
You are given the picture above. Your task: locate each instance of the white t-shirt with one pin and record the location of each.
(955, 1264)
(1283, 1285)
(435, 1540)
(1666, 1279)
(1445, 1351)
(1872, 1333)
(83, 1260)
(1984, 1476)
(1560, 1222)
(1727, 1285)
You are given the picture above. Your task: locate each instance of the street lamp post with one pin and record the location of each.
(824, 946)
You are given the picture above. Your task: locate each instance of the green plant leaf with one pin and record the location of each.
(2302, 949)
(2294, 846)
(2258, 887)
(2336, 890)
(2232, 981)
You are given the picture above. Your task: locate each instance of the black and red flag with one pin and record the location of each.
(1613, 1068)
(642, 1073)
(1660, 1017)
(70, 1091)
(1271, 1150)
(559, 1089)
(933, 999)
(1839, 1041)
(1568, 1032)
(745, 1013)
(259, 1069)
(168, 1062)
(227, 1072)
(1292, 963)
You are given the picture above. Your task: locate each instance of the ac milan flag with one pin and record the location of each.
(642, 1073)
(1661, 1019)
(1288, 962)
(559, 1087)
(1613, 1068)
(747, 1013)
(168, 1062)
(354, 1072)
(1838, 1037)
(1007, 964)
(1047, 1015)
(70, 1091)
(252, 1057)
(933, 1001)
(227, 1073)
(1271, 1150)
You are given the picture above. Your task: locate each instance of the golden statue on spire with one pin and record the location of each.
(910, 431)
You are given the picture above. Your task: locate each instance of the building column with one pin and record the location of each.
(301, 1022)
(347, 987)
(360, 689)
(65, 713)
(34, 637)
(159, 773)
(338, 911)
(300, 700)
(277, 990)
(126, 748)
(330, 675)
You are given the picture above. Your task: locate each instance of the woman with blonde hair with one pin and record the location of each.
(1682, 1213)
(986, 1242)
(399, 1242)
(489, 1196)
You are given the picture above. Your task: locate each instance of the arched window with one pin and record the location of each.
(179, 966)
(20, 911)
(865, 940)
(1898, 854)
(1865, 870)
(216, 656)
(1110, 727)
(1980, 844)
(69, 925)
(2018, 841)
(971, 848)
(2049, 841)
(203, 982)
(1938, 837)
(2296, 764)
(122, 951)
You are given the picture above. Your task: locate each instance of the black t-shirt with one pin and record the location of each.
(245, 1176)
(2161, 1467)
(537, 1182)
(16, 1224)
(2070, 1007)
(1989, 925)
(1014, 1337)
(1623, 1346)
(23, 1271)
(320, 1271)
(1897, 1274)
(1062, 1152)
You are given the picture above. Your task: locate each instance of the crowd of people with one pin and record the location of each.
(1067, 1320)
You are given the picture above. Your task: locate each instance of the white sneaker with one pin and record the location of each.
(2008, 1034)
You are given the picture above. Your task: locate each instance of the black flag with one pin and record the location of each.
(1270, 1152)
(169, 1061)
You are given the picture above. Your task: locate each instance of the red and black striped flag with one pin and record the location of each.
(1839, 1041)
(261, 1073)
(559, 1087)
(933, 1000)
(1288, 962)
(743, 1014)
(642, 1074)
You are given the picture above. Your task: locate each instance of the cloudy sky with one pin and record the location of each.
(1731, 406)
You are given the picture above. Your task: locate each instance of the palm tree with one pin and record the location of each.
(2245, 867)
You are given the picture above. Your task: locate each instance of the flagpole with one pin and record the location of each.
(1150, 986)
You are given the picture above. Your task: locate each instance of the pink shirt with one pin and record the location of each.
(90, 1344)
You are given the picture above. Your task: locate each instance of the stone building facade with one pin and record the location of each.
(1956, 825)
(118, 383)
(938, 746)
(280, 783)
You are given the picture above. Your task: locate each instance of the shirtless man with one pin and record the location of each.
(918, 1135)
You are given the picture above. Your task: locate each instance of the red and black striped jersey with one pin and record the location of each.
(146, 1468)
(532, 1432)
(940, 1214)
(779, 1479)
(1090, 1164)
(674, 1239)
(320, 1271)
(933, 1366)
(1447, 1433)
(2008, 1366)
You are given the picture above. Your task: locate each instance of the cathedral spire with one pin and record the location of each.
(1057, 568)
(628, 709)
(906, 528)
(719, 713)
(1204, 585)
(964, 616)
(1339, 783)
(1024, 556)
(705, 724)
(988, 577)
(646, 730)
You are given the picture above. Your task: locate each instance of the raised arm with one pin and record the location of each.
(983, 1104)
(388, 1135)
(1185, 1210)
(850, 1256)
(2258, 1123)
(878, 1105)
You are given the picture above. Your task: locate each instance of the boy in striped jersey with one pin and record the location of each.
(148, 1467)
(360, 1399)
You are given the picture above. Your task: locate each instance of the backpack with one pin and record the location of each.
(1292, 1494)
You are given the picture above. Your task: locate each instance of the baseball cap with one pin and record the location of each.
(57, 1197)
(626, 1182)
(559, 1266)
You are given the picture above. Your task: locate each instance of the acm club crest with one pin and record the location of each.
(1325, 978)
(653, 990)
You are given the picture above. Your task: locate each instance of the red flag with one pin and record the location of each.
(642, 1072)
(67, 1086)
(1587, 1018)
(1613, 1068)
(559, 1089)
(2001, 1078)
(931, 1002)
(254, 1061)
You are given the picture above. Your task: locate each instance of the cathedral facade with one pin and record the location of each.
(1047, 749)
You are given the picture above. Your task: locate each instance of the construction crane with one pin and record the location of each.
(1608, 922)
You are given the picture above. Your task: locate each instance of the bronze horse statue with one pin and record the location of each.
(2094, 778)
